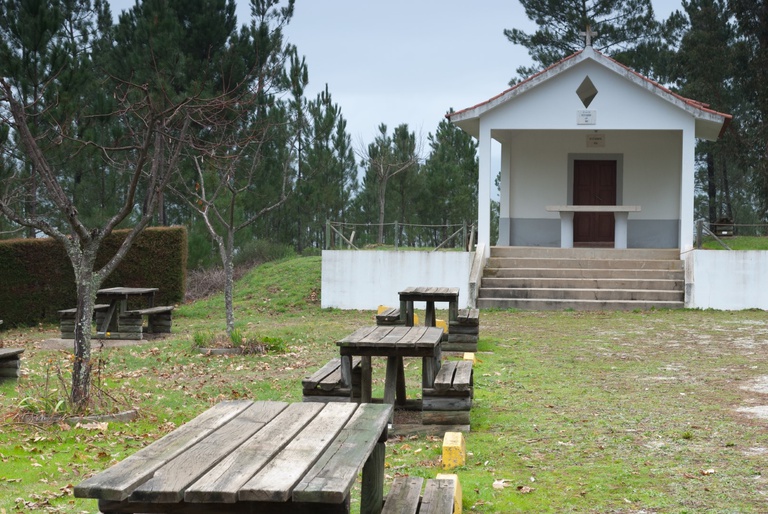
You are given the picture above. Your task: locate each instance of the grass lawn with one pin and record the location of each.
(630, 412)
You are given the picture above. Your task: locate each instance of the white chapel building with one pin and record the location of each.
(588, 131)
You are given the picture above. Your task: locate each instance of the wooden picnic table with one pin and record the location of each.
(244, 456)
(429, 295)
(117, 298)
(394, 343)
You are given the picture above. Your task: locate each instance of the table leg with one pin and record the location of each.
(108, 325)
(429, 368)
(372, 488)
(453, 310)
(400, 382)
(408, 313)
(346, 370)
(429, 317)
(390, 382)
(365, 380)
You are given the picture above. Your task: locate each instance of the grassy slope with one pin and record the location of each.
(574, 412)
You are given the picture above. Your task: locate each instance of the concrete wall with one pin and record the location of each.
(366, 279)
(726, 280)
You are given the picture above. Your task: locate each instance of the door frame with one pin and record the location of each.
(618, 157)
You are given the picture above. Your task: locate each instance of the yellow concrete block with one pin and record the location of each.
(456, 490)
(469, 356)
(454, 450)
(440, 323)
(382, 308)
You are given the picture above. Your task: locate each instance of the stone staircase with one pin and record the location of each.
(541, 278)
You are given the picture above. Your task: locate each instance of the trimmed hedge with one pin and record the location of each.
(36, 277)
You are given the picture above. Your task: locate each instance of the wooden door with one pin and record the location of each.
(594, 183)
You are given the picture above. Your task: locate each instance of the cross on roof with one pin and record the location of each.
(588, 35)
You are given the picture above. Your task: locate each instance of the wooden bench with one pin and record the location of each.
(159, 320)
(449, 400)
(389, 316)
(463, 332)
(67, 319)
(10, 362)
(325, 384)
(405, 497)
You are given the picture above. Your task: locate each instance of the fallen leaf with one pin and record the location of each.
(524, 489)
(501, 483)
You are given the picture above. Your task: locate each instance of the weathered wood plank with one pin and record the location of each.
(110, 507)
(175, 476)
(6, 353)
(320, 375)
(332, 379)
(455, 328)
(446, 403)
(223, 481)
(332, 476)
(357, 334)
(445, 417)
(96, 308)
(461, 338)
(430, 337)
(276, 480)
(376, 335)
(444, 378)
(395, 336)
(468, 317)
(448, 393)
(11, 363)
(372, 489)
(438, 497)
(151, 310)
(119, 481)
(462, 379)
(403, 496)
(449, 346)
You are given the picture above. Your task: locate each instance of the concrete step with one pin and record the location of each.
(575, 305)
(583, 283)
(615, 295)
(585, 253)
(538, 262)
(625, 274)
(541, 278)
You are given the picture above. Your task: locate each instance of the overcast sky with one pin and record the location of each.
(406, 61)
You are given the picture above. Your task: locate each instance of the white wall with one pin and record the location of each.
(366, 279)
(539, 170)
(727, 280)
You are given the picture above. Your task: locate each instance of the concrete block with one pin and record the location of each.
(454, 450)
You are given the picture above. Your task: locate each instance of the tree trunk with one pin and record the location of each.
(711, 188)
(87, 285)
(727, 194)
(227, 250)
(382, 204)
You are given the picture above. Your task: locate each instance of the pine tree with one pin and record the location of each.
(625, 29)
(704, 69)
(752, 20)
(451, 171)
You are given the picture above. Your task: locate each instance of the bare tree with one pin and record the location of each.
(387, 157)
(228, 176)
(133, 111)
